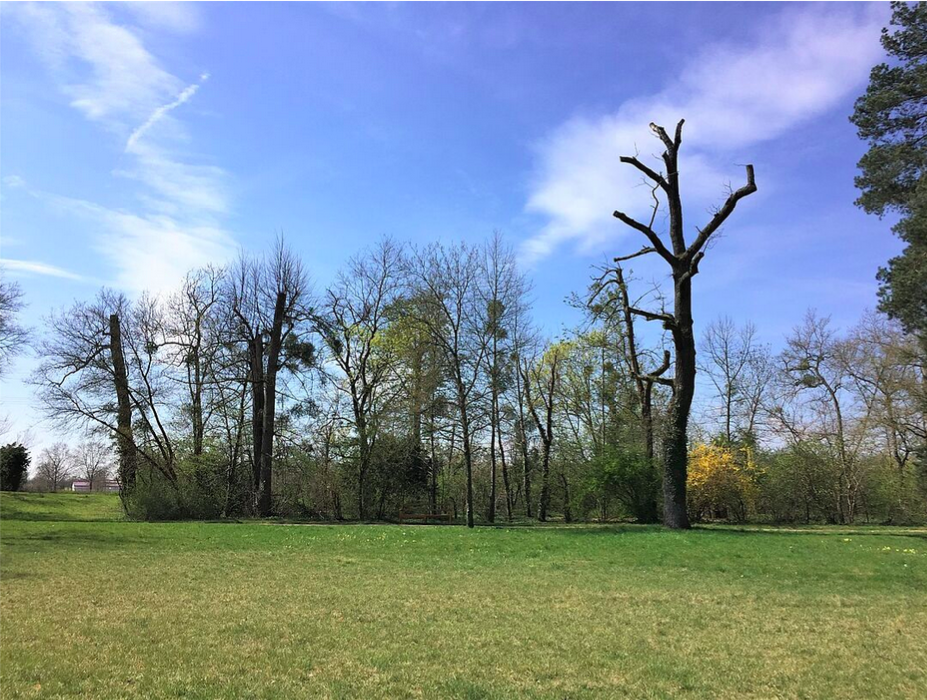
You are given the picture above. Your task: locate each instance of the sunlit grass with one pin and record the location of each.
(207, 610)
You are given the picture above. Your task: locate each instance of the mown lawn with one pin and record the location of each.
(106, 609)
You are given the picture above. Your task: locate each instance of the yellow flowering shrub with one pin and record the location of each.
(721, 482)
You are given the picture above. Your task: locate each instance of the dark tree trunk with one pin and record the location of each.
(505, 476)
(257, 412)
(683, 260)
(468, 461)
(265, 505)
(544, 502)
(364, 447)
(646, 512)
(196, 407)
(128, 454)
(491, 511)
(545, 429)
(676, 435)
(567, 512)
(434, 465)
(465, 439)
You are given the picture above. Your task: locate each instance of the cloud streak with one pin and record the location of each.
(732, 97)
(39, 268)
(102, 65)
(161, 111)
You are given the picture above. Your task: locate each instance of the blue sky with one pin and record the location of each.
(141, 140)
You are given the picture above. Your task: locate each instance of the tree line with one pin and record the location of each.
(417, 382)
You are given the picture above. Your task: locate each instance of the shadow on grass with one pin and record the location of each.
(823, 530)
(97, 539)
(607, 530)
(60, 507)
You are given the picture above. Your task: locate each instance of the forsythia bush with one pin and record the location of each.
(722, 482)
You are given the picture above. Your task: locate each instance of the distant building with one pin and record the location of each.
(84, 486)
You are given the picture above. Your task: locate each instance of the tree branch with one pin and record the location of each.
(653, 316)
(650, 233)
(721, 216)
(643, 251)
(649, 172)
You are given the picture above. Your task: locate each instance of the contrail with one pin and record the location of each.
(189, 92)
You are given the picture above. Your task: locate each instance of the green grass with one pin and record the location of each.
(60, 506)
(214, 610)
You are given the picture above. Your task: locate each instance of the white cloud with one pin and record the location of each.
(161, 111)
(104, 68)
(38, 268)
(732, 97)
(175, 16)
(150, 251)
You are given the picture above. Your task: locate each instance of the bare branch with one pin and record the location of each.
(649, 172)
(667, 319)
(650, 233)
(721, 215)
(643, 251)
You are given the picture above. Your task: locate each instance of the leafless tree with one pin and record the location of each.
(13, 335)
(55, 466)
(446, 280)
(93, 462)
(502, 292)
(358, 305)
(739, 370)
(683, 260)
(194, 345)
(270, 299)
(101, 370)
(820, 406)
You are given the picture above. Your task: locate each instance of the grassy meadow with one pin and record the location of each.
(93, 606)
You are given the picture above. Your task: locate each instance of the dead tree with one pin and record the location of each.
(683, 260)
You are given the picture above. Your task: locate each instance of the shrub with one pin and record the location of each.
(14, 463)
(722, 482)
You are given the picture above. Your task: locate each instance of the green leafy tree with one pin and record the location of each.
(14, 463)
(892, 117)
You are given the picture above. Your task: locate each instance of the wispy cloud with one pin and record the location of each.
(97, 56)
(159, 113)
(732, 97)
(39, 268)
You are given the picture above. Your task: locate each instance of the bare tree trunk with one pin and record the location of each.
(128, 457)
(364, 447)
(434, 460)
(526, 468)
(257, 413)
(265, 505)
(465, 439)
(676, 437)
(567, 512)
(491, 511)
(505, 477)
